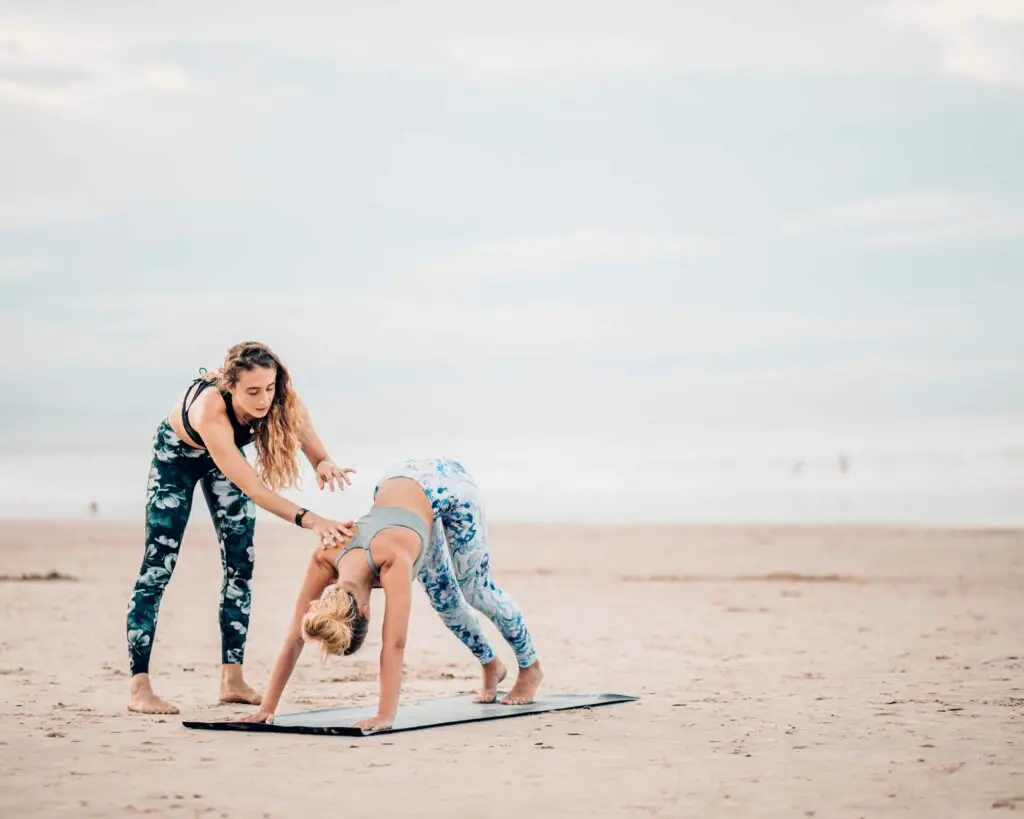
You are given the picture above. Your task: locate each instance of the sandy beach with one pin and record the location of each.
(828, 672)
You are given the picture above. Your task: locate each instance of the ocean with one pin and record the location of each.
(949, 474)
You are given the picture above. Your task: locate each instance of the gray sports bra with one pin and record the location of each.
(378, 519)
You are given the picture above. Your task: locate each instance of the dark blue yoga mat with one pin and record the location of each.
(412, 717)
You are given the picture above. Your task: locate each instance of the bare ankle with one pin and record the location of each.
(526, 685)
(140, 683)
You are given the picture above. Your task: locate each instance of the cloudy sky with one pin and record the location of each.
(576, 231)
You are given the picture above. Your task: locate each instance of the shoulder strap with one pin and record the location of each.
(373, 566)
(344, 552)
(369, 559)
(202, 381)
(186, 406)
(229, 407)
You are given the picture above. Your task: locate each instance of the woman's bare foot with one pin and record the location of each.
(234, 689)
(144, 701)
(525, 689)
(494, 673)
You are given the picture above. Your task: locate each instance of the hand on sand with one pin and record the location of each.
(374, 724)
(259, 716)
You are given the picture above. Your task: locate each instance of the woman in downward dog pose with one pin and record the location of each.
(427, 523)
(249, 400)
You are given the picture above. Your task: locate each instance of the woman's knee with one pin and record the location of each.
(447, 600)
(481, 595)
(243, 562)
(243, 570)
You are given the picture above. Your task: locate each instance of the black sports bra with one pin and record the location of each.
(243, 432)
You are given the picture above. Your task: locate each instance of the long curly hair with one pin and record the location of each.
(276, 435)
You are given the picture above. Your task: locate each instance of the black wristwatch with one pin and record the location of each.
(299, 516)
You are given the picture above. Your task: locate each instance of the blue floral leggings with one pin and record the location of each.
(173, 475)
(457, 571)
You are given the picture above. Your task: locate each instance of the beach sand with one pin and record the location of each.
(814, 671)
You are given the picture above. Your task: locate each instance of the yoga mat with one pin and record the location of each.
(411, 717)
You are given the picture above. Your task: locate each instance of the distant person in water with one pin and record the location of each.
(427, 523)
(250, 399)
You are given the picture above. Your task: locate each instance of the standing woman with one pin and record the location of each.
(250, 399)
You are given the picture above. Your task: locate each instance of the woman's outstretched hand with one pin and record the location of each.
(327, 474)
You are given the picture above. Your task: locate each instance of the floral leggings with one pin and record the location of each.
(175, 471)
(457, 570)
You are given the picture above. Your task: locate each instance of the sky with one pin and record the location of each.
(573, 243)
